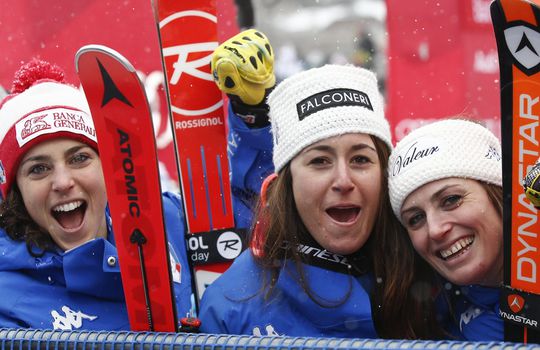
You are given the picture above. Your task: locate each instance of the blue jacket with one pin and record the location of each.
(250, 160)
(477, 313)
(79, 288)
(234, 304)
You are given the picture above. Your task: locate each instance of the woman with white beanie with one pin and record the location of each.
(445, 182)
(58, 261)
(320, 261)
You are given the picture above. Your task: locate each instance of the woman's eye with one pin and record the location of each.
(414, 221)
(452, 201)
(79, 158)
(318, 161)
(37, 169)
(361, 159)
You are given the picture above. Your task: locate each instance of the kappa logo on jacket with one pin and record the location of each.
(71, 319)
(270, 331)
(470, 314)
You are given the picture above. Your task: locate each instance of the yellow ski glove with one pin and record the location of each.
(243, 66)
(531, 185)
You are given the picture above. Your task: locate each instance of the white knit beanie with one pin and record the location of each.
(448, 148)
(324, 102)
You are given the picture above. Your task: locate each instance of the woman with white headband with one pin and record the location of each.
(445, 182)
(320, 262)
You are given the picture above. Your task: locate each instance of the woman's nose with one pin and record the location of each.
(343, 182)
(62, 180)
(438, 226)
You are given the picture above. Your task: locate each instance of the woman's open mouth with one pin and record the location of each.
(457, 248)
(343, 214)
(70, 215)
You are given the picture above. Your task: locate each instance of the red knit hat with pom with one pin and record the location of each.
(42, 106)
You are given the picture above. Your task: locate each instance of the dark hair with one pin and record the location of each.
(495, 195)
(403, 301)
(19, 226)
(402, 307)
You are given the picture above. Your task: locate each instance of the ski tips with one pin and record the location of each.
(105, 50)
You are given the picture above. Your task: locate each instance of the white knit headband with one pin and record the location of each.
(448, 148)
(324, 102)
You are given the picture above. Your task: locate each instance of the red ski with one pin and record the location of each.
(128, 154)
(188, 37)
(517, 29)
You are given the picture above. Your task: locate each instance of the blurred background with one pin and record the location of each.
(311, 33)
(433, 58)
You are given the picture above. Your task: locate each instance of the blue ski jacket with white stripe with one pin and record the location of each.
(80, 288)
(235, 304)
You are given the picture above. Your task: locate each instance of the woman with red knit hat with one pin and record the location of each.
(58, 261)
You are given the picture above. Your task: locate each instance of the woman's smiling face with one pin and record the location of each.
(455, 227)
(63, 189)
